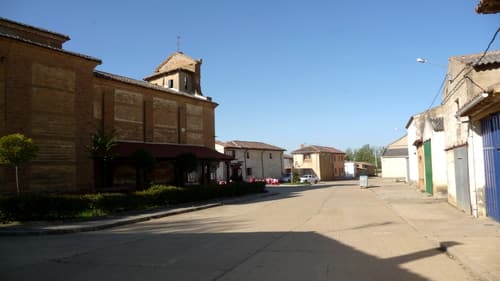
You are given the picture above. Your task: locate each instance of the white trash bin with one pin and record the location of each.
(363, 181)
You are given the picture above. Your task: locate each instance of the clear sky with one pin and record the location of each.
(333, 73)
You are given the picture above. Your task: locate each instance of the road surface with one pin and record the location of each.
(330, 231)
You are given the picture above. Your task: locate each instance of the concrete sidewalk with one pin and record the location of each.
(64, 227)
(474, 242)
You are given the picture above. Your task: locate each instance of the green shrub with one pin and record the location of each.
(41, 207)
(38, 206)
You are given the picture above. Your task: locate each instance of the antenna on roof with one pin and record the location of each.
(178, 43)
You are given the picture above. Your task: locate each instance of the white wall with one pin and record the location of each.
(450, 172)
(439, 178)
(394, 167)
(412, 154)
(477, 175)
(259, 161)
(350, 169)
(220, 173)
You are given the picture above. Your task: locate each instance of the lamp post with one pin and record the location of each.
(426, 61)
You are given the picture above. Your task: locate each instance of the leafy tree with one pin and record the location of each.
(366, 153)
(101, 150)
(102, 145)
(144, 163)
(349, 154)
(15, 150)
(185, 163)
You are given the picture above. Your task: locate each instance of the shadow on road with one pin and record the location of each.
(205, 256)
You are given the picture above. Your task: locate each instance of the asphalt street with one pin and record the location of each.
(331, 231)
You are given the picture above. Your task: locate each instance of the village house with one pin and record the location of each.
(58, 98)
(471, 107)
(453, 147)
(252, 160)
(354, 169)
(394, 160)
(327, 163)
(287, 164)
(426, 155)
(488, 7)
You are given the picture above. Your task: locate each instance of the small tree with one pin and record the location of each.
(144, 163)
(185, 164)
(15, 150)
(101, 150)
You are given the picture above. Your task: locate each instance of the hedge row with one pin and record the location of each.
(29, 207)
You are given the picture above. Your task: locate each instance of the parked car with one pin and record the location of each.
(309, 179)
(286, 178)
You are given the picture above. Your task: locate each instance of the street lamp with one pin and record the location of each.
(422, 60)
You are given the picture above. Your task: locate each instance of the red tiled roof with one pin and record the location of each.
(488, 6)
(167, 151)
(251, 145)
(317, 149)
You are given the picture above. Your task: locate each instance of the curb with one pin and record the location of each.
(131, 220)
(481, 273)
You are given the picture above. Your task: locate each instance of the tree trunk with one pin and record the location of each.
(17, 180)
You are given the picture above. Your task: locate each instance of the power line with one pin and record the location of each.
(489, 45)
(438, 91)
(473, 64)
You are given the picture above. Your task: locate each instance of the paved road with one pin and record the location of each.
(329, 232)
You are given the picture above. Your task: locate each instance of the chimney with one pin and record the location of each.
(301, 145)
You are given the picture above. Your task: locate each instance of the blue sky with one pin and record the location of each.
(332, 73)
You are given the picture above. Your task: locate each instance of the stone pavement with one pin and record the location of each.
(474, 242)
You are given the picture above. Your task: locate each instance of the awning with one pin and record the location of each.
(168, 151)
(481, 105)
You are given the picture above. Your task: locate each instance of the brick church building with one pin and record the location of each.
(57, 98)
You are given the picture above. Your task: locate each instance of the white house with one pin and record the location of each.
(395, 160)
(287, 163)
(252, 160)
(426, 151)
(355, 169)
(413, 155)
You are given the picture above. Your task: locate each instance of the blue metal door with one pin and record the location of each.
(490, 129)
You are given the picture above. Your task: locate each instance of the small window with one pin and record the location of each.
(270, 156)
(307, 156)
(185, 82)
(248, 155)
(249, 171)
(171, 83)
(230, 153)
